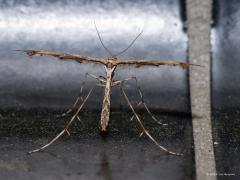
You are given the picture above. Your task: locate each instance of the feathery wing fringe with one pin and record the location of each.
(140, 63)
(64, 56)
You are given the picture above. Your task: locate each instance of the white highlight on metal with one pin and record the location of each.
(57, 21)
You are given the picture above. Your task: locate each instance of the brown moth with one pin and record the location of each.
(110, 64)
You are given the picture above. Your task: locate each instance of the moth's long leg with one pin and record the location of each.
(75, 103)
(100, 79)
(141, 124)
(68, 124)
(141, 102)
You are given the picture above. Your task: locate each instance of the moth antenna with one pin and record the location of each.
(110, 53)
(130, 44)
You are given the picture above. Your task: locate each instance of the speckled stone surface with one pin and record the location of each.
(85, 155)
(199, 29)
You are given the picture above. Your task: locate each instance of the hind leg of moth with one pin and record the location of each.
(144, 130)
(65, 130)
(142, 101)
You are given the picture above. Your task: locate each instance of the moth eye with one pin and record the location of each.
(30, 53)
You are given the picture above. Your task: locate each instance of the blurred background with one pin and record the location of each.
(34, 90)
(69, 26)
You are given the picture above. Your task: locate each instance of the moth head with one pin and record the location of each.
(112, 57)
